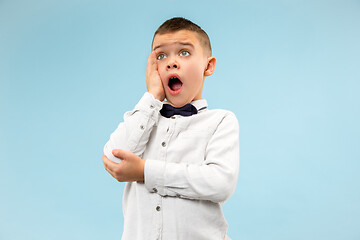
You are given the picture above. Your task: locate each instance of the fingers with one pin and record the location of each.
(131, 168)
(153, 59)
(119, 153)
(112, 168)
(107, 164)
(151, 67)
(154, 84)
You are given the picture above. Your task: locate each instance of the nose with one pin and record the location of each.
(169, 66)
(172, 64)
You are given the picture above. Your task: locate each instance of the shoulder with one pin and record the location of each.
(221, 114)
(220, 118)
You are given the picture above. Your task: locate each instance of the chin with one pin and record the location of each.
(177, 101)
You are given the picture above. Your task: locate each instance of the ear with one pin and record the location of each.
(210, 66)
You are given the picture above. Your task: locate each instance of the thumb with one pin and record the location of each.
(119, 153)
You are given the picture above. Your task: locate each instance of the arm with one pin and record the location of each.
(214, 180)
(133, 134)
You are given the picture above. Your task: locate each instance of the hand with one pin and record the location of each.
(130, 169)
(153, 81)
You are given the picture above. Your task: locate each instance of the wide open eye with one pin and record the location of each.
(184, 53)
(161, 56)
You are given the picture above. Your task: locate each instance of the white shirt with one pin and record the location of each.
(191, 167)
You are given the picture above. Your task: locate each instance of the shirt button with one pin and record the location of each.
(163, 144)
(173, 117)
(155, 190)
(158, 208)
(142, 127)
(151, 106)
(178, 195)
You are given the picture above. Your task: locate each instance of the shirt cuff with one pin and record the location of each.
(149, 104)
(154, 176)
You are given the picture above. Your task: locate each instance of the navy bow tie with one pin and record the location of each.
(187, 110)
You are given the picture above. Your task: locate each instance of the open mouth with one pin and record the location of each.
(175, 84)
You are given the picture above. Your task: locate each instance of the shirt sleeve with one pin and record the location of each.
(214, 180)
(133, 134)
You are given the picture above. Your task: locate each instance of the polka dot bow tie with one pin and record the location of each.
(169, 111)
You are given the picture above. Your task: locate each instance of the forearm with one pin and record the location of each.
(133, 134)
(214, 179)
(205, 182)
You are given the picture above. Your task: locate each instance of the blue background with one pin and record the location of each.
(288, 69)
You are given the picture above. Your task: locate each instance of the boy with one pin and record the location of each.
(179, 159)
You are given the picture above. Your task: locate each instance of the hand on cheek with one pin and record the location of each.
(153, 81)
(130, 169)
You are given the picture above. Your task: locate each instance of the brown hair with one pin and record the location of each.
(178, 23)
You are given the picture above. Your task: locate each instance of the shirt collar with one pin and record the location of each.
(200, 104)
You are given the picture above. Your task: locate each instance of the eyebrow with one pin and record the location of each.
(181, 43)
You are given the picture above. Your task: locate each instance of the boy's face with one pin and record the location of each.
(182, 65)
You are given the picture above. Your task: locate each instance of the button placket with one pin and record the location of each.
(169, 132)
